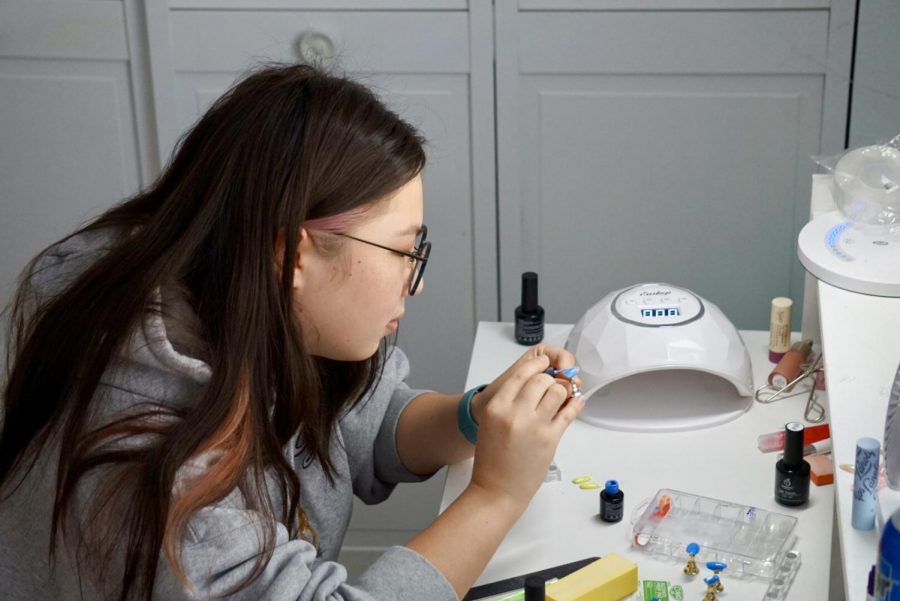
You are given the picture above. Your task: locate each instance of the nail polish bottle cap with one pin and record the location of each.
(611, 487)
(529, 291)
(793, 443)
(534, 588)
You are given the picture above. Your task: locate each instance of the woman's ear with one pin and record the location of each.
(305, 248)
(303, 257)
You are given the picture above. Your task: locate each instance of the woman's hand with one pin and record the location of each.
(520, 425)
(559, 358)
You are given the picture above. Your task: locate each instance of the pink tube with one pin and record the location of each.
(774, 441)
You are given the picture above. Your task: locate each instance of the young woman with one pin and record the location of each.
(200, 379)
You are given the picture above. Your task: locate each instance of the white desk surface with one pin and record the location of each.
(723, 462)
(861, 342)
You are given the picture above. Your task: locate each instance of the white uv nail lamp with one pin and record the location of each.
(658, 358)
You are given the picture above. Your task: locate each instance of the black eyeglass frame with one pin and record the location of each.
(423, 250)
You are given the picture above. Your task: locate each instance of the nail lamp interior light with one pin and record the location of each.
(658, 358)
(857, 247)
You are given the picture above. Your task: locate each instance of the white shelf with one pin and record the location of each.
(861, 343)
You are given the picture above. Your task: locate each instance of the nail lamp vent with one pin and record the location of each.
(658, 358)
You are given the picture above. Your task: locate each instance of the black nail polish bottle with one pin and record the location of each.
(529, 315)
(792, 471)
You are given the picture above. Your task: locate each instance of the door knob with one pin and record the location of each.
(315, 47)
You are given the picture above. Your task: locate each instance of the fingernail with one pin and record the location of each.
(571, 372)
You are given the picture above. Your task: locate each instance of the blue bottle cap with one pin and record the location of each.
(716, 566)
(711, 580)
(611, 487)
(693, 548)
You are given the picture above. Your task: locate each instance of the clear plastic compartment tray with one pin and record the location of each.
(750, 540)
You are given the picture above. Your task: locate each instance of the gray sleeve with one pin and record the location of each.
(370, 433)
(224, 544)
(58, 266)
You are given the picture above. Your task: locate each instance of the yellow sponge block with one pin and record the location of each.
(608, 579)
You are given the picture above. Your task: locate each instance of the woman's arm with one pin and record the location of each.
(520, 429)
(427, 434)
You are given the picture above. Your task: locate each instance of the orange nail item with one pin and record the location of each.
(821, 469)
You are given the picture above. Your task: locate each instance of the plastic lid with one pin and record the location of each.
(534, 588)
(529, 291)
(611, 487)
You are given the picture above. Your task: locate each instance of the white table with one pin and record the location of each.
(861, 343)
(560, 524)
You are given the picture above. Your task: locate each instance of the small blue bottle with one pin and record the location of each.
(612, 502)
(887, 578)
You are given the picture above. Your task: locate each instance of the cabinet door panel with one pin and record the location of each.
(621, 168)
(692, 182)
(69, 142)
(673, 42)
(68, 152)
(398, 42)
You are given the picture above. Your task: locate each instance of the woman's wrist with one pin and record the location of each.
(478, 404)
(499, 500)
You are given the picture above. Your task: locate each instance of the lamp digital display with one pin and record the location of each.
(660, 312)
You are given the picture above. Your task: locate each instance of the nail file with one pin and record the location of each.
(608, 579)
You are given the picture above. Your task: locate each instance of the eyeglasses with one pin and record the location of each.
(419, 257)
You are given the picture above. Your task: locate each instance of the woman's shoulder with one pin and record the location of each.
(59, 264)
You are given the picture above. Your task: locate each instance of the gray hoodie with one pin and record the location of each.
(222, 541)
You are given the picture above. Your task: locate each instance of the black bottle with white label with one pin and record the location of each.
(529, 315)
(792, 471)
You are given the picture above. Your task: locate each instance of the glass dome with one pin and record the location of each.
(867, 186)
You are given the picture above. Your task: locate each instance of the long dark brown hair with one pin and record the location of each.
(288, 144)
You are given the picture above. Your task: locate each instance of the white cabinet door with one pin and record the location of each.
(669, 146)
(69, 145)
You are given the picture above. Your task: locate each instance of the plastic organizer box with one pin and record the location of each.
(750, 540)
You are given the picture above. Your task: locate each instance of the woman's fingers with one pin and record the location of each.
(554, 397)
(568, 412)
(559, 357)
(520, 376)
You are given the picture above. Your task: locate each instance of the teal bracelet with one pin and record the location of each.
(464, 421)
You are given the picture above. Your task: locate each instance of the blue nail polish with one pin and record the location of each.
(566, 373)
